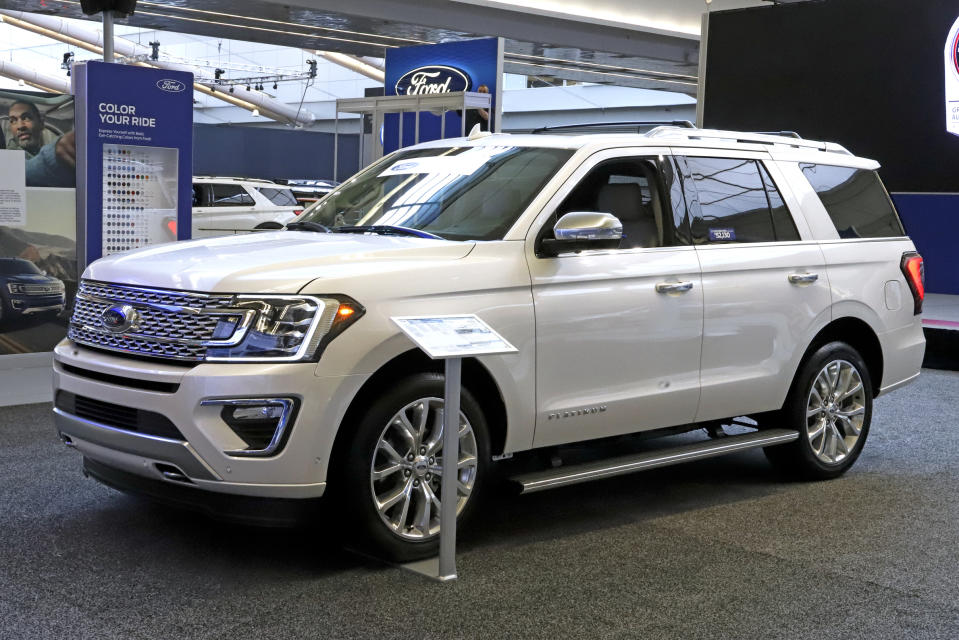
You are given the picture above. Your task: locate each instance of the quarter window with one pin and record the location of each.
(230, 195)
(736, 202)
(855, 200)
(279, 197)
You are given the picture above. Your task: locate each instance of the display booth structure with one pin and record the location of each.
(450, 338)
(378, 106)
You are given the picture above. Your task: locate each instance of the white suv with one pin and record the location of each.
(225, 206)
(658, 284)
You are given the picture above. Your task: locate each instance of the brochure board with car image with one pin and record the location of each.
(38, 223)
(135, 145)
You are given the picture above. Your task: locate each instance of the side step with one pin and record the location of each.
(574, 474)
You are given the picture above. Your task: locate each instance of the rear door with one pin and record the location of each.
(765, 286)
(618, 331)
(225, 208)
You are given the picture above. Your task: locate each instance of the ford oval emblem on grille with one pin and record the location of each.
(119, 318)
(432, 79)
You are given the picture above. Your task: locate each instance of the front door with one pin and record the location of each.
(618, 331)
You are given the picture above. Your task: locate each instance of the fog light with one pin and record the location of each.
(262, 423)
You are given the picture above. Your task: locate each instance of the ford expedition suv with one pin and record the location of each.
(28, 292)
(657, 283)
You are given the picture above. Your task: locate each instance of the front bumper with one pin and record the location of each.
(193, 454)
(28, 305)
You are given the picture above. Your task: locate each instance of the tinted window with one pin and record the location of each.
(855, 200)
(279, 197)
(783, 224)
(636, 192)
(230, 195)
(733, 206)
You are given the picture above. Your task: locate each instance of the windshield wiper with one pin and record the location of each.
(387, 230)
(306, 225)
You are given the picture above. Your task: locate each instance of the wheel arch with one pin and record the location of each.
(858, 334)
(476, 377)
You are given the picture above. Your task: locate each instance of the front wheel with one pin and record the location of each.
(390, 482)
(831, 407)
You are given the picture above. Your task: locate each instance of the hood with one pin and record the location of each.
(29, 278)
(274, 262)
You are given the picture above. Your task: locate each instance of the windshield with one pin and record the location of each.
(15, 266)
(457, 193)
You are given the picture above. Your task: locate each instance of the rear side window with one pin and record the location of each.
(736, 201)
(279, 197)
(855, 200)
(230, 195)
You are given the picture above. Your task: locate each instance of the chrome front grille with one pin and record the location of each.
(40, 289)
(169, 324)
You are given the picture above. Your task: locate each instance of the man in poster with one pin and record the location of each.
(48, 165)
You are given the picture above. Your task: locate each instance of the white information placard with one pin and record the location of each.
(13, 188)
(453, 336)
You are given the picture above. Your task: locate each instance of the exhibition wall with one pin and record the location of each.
(221, 150)
(868, 74)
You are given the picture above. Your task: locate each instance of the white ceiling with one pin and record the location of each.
(670, 17)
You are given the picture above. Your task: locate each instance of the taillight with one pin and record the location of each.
(171, 227)
(297, 212)
(912, 267)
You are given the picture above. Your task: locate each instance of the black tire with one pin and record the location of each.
(827, 456)
(355, 491)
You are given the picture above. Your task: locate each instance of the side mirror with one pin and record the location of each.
(582, 230)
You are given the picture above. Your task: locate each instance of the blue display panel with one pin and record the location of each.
(932, 221)
(441, 68)
(134, 157)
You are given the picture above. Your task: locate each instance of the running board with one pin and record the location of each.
(574, 474)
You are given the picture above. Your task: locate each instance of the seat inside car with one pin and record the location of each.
(625, 201)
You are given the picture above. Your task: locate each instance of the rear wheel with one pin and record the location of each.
(831, 407)
(390, 482)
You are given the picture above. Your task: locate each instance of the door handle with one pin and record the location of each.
(673, 287)
(803, 278)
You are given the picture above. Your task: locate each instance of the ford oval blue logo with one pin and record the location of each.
(119, 318)
(171, 86)
(432, 79)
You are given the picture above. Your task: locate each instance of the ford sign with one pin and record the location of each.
(432, 79)
(171, 86)
(119, 319)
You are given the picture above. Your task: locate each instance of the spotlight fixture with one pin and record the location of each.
(255, 113)
(312, 71)
(247, 87)
(274, 86)
(217, 73)
(155, 54)
(231, 89)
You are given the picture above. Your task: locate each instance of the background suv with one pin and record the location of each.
(223, 206)
(27, 291)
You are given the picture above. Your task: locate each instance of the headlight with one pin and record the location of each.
(15, 288)
(287, 328)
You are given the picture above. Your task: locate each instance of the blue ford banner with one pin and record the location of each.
(134, 157)
(449, 67)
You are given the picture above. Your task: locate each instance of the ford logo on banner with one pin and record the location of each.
(171, 86)
(432, 79)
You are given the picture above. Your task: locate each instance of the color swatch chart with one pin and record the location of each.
(139, 196)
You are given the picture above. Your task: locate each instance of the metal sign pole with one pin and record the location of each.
(108, 36)
(451, 458)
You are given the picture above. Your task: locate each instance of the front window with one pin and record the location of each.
(456, 193)
(16, 266)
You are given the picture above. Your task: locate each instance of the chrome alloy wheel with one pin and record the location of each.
(835, 410)
(407, 469)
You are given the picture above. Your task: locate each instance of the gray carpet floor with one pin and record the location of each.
(723, 548)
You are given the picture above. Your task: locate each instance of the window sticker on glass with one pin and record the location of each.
(719, 235)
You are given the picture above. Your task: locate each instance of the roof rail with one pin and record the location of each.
(686, 124)
(743, 136)
(784, 134)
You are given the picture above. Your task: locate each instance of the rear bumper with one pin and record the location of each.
(264, 512)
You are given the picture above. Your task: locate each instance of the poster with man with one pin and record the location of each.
(38, 249)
